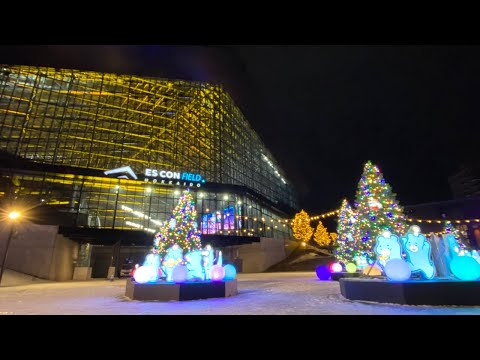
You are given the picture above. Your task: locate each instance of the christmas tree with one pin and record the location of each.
(321, 236)
(345, 251)
(377, 210)
(181, 228)
(334, 237)
(450, 229)
(302, 231)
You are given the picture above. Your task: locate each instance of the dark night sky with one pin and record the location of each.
(324, 110)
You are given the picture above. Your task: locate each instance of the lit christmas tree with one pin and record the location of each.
(302, 231)
(334, 237)
(321, 236)
(181, 229)
(450, 229)
(345, 251)
(377, 210)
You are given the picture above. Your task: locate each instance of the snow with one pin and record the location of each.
(265, 293)
(13, 278)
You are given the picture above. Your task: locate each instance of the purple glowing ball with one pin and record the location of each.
(322, 272)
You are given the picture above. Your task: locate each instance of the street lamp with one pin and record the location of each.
(13, 216)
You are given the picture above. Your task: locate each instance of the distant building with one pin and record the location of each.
(466, 181)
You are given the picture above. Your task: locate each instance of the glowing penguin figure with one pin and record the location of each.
(220, 258)
(208, 259)
(194, 261)
(153, 262)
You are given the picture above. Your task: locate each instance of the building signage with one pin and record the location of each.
(173, 177)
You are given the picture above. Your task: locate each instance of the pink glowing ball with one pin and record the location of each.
(218, 273)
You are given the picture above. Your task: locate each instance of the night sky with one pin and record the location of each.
(324, 110)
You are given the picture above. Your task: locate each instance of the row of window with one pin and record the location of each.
(102, 121)
(131, 204)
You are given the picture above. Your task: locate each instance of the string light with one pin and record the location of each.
(302, 231)
(345, 251)
(458, 221)
(376, 210)
(181, 229)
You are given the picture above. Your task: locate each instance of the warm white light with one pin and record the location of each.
(239, 203)
(225, 197)
(148, 189)
(117, 187)
(176, 192)
(207, 209)
(14, 215)
(200, 195)
(43, 200)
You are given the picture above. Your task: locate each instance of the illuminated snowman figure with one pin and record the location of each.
(208, 259)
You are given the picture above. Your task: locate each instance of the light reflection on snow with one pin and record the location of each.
(266, 293)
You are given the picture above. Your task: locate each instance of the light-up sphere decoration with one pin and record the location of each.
(465, 268)
(179, 273)
(230, 272)
(336, 267)
(146, 274)
(397, 270)
(351, 267)
(323, 273)
(218, 273)
(372, 271)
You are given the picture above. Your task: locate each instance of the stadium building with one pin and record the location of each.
(100, 160)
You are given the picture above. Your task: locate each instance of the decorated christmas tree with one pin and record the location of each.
(181, 228)
(448, 228)
(321, 236)
(345, 251)
(377, 210)
(302, 231)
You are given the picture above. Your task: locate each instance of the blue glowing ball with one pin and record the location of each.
(218, 273)
(465, 268)
(322, 272)
(397, 270)
(179, 273)
(230, 272)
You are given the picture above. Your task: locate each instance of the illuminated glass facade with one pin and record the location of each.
(79, 124)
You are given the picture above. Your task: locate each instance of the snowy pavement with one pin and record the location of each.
(266, 293)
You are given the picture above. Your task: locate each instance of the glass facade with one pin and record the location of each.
(80, 124)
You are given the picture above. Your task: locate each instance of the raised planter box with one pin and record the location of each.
(166, 291)
(340, 275)
(433, 292)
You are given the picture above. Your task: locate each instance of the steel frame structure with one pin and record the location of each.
(100, 121)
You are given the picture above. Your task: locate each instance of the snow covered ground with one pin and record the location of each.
(266, 293)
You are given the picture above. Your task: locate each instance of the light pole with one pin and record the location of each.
(13, 216)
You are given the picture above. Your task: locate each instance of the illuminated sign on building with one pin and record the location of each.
(173, 177)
